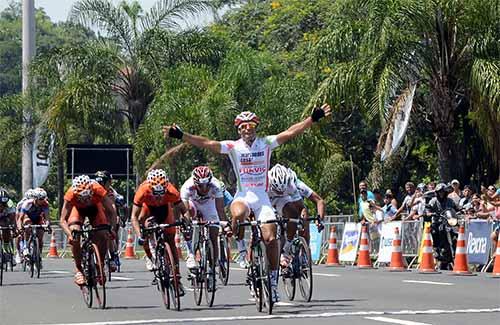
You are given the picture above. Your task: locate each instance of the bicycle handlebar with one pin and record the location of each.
(91, 230)
(256, 223)
(163, 226)
(208, 223)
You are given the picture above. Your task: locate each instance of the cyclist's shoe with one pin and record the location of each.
(190, 262)
(182, 291)
(154, 281)
(26, 252)
(242, 260)
(150, 266)
(79, 279)
(112, 266)
(18, 258)
(285, 260)
(274, 294)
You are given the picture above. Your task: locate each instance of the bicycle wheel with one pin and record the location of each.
(89, 275)
(305, 267)
(99, 280)
(12, 255)
(198, 275)
(162, 276)
(210, 273)
(289, 280)
(253, 276)
(108, 265)
(31, 261)
(224, 260)
(36, 258)
(173, 287)
(1, 262)
(265, 279)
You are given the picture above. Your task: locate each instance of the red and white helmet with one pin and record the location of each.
(202, 175)
(158, 181)
(81, 186)
(245, 117)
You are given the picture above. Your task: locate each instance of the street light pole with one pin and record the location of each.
(28, 53)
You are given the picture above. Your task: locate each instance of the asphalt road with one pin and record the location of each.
(341, 295)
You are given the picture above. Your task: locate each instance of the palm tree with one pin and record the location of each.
(450, 49)
(142, 38)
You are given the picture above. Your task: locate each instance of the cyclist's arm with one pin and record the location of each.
(63, 220)
(320, 204)
(110, 211)
(188, 210)
(300, 127)
(196, 140)
(219, 205)
(134, 218)
(180, 210)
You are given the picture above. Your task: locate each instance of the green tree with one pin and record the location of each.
(450, 48)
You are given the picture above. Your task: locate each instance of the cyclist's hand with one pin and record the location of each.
(173, 131)
(72, 240)
(229, 231)
(320, 112)
(320, 225)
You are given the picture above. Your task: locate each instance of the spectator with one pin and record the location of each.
(418, 204)
(379, 199)
(470, 213)
(491, 208)
(456, 194)
(363, 185)
(431, 186)
(467, 197)
(388, 209)
(476, 203)
(408, 200)
(368, 217)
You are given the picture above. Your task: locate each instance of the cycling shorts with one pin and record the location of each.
(208, 212)
(258, 202)
(95, 213)
(279, 202)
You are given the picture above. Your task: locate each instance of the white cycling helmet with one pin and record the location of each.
(29, 194)
(81, 186)
(279, 178)
(39, 193)
(293, 176)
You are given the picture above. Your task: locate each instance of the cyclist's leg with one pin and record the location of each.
(143, 220)
(240, 210)
(75, 222)
(25, 221)
(188, 234)
(100, 238)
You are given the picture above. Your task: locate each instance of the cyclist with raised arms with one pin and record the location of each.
(157, 200)
(250, 157)
(287, 195)
(204, 199)
(86, 199)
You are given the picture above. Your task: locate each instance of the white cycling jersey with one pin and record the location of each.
(251, 164)
(293, 193)
(204, 204)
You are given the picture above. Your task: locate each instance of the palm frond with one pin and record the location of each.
(169, 13)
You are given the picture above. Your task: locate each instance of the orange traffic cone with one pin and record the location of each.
(364, 261)
(427, 266)
(397, 262)
(129, 247)
(178, 242)
(333, 253)
(460, 265)
(53, 247)
(496, 267)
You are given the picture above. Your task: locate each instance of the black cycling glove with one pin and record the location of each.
(175, 132)
(317, 114)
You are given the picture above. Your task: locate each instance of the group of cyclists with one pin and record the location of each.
(262, 194)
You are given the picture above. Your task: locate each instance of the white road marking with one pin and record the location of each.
(57, 272)
(429, 282)
(326, 274)
(121, 278)
(395, 321)
(262, 317)
(281, 303)
(237, 269)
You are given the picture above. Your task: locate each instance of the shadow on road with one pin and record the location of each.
(129, 287)
(25, 284)
(132, 307)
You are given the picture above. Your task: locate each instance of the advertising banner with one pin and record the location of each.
(315, 242)
(478, 241)
(385, 250)
(350, 242)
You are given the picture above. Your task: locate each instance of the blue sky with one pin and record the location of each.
(58, 10)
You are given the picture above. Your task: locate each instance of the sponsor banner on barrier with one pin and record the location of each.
(410, 237)
(385, 250)
(315, 242)
(350, 242)
(478, 242)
